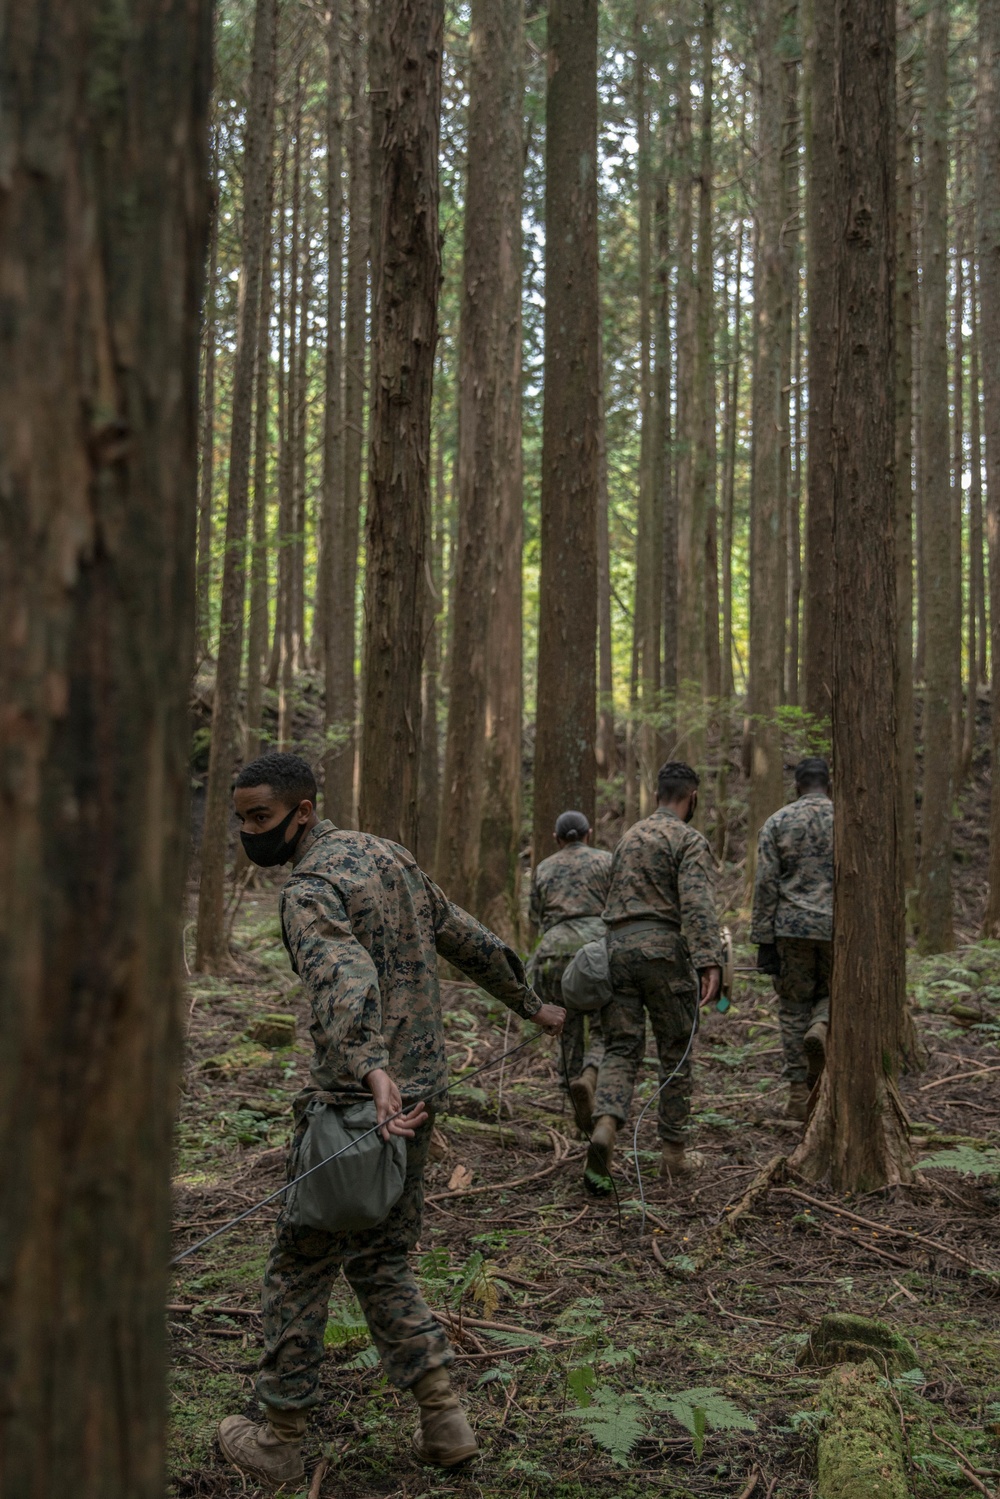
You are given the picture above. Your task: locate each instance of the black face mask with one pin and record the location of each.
(270, 847)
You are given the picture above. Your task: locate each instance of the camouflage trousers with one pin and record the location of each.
(803, 990)
(582, 1037)
(651, 973)
(301, 1269)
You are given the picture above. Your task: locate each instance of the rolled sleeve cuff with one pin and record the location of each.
(367, 1059)
(529, 1004)
(709, 958)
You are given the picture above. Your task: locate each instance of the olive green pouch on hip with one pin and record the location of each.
(360, 1188)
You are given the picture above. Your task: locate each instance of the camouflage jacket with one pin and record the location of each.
(663, 870)
(793, 886)
(363, 926)
(573, 882)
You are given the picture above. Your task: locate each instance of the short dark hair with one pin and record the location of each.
(675, 780)
(289, 777)
(572, 827)
(812, 771)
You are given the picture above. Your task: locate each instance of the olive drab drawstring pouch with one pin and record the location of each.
(360, 1188)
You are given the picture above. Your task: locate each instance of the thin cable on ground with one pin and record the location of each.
(273, 1196)
(648, 1105)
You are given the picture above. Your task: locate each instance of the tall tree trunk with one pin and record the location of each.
(936, 930)
(491, 274)
(793, 524)
(988, 241)
(976, 527)
(821, 225)
(690, 618)
(430, 688)
(341, 691)
(203, 582)
(257, 635)
(281, 381)
(957, 472)
(331, 581)
(767, 541)
(210, 953)
(102, 245)
(287, 441)
(858, 1130)
(298, 651)
(665, 544)
(975, 530)
(567, 627)
(605, 747)
(904, 444)
(406, 42)
(729, 481)
(703, 536)
(646, 616)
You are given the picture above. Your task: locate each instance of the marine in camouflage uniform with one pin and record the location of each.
(793, 923)
(568, 893)
(662, 931)
(363, 926)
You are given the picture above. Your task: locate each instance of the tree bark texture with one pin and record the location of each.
(858, 1132)
(975, 533)
(704, 582)
(406, 42)
(336, 576)
(257, 632)
(605, 747)
(103, 229)
(490, 284)
(207, 439)
(904, 443)
(767, 521)
(210, 950)
(567, 632)
(690, 619)
(821, 224)
(988, 244)
(935, 899)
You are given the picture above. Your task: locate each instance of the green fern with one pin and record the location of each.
(702, 1409)
(366, 1359)
(345, 1325)
(966, 1159)
(614, 1421)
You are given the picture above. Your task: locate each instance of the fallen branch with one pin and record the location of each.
(754, 1476)
(956, 1077)
(519, 1181)
(886, 1228)
(962, 1461)
(724, 1229)
(319, 1473)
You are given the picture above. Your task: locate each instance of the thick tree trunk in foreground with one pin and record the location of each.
(988, 244)
(904, 447)
(858, 1132)
(211, 942)
(767, 528)
(491, 268)
(821, 224)
(406, 41)
(567, 627)
(102, 240)
(935, 900)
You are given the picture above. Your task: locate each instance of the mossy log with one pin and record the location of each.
(843, 1338)
(860, 1447)
(509, 1136)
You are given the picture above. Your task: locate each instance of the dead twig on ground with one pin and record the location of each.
(722, 1231)
(886, 1228)
(518, 1181)
(963, 1463)
(754, 1476)
(319, 1473)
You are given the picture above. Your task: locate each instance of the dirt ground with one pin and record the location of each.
(574, 1332)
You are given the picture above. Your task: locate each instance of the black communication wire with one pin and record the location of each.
(428, 1098)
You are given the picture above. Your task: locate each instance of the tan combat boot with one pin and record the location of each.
(444, 1437)
(814, 1046)
(677, 1160)
(597, 1172)
(582, 1091)
(272, 1452)
(798, 1101)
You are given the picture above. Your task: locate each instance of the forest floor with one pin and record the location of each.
(554, 1303)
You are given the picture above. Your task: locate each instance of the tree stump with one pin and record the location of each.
(842, 1338)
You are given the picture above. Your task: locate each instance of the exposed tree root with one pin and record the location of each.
(853, 1160)
(765, 1178)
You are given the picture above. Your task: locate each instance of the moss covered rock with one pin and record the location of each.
(273, 1030)
(842, 1338)
(860, 1453)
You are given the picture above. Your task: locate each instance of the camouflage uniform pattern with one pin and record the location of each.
(663, 876)
(663, 870)
(651, 973)
(363, 925)
(803, 990)
(301, 1269)
(793, 885)
(568, 892)
(793, 908)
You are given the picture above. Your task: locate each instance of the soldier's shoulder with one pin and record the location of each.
(694, 841)
(600, 856)
(546, 867)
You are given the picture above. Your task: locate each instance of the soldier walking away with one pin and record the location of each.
(568, 893)
(793, 925)
(363, 926)
(664, 954)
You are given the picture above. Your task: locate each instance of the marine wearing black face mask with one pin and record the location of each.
(271, 847)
